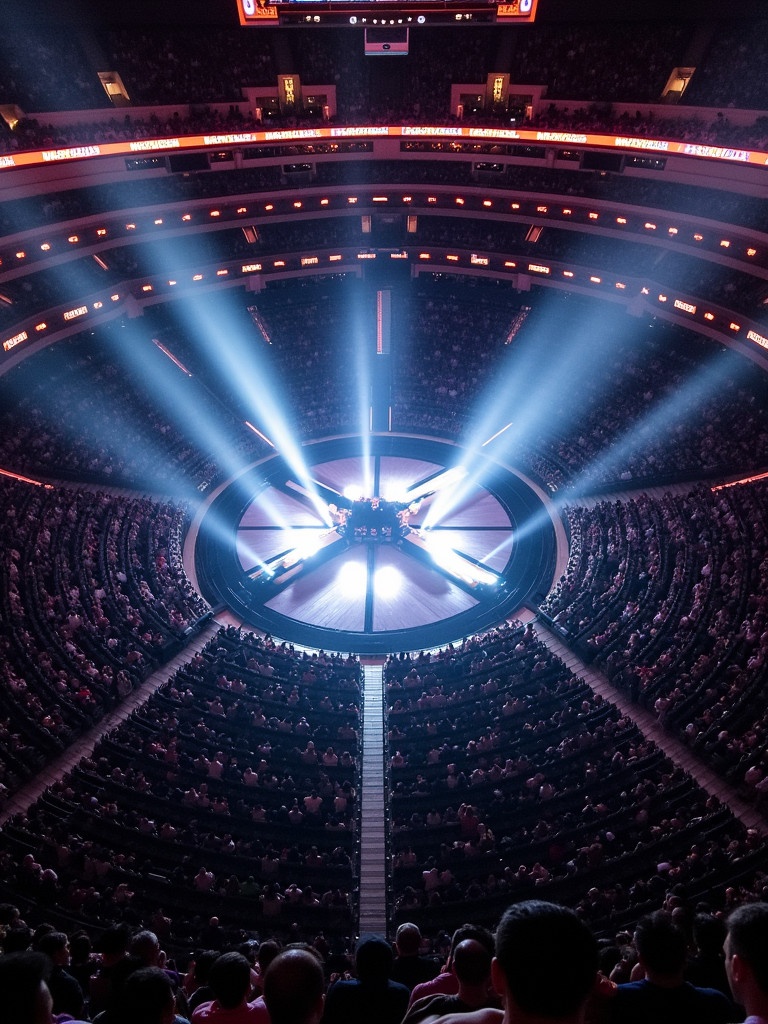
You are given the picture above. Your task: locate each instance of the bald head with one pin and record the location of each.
(472, 964)
(294, 988)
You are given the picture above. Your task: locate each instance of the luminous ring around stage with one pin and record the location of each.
(387, 543)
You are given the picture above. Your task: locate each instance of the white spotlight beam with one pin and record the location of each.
(259, 433)
(317, 497)
(427, 490)
(452, 563)
(290, 563)
(497, 434)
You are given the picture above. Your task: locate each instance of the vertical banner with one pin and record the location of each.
(289, 94)
(496, 92)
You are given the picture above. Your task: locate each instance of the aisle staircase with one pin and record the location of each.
(373, 821)
(84, 745)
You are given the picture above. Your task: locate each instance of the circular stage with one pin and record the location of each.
(373, 545)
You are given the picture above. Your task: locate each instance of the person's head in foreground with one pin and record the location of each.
(546, 962)
(746, 957)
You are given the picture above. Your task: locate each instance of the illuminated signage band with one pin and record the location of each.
(17, 339)
(33, 158)
(72, 314)
(556, 274)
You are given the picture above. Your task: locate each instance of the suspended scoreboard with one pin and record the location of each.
(385, 12)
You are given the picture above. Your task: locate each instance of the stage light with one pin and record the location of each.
(387, 581)
(311, 544)
(352, 578)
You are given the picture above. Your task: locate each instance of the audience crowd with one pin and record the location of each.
(246, 762)
(94, 597)
(219, 822)
(665, 594)
(508, 774)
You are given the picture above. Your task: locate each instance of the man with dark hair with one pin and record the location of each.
(373, 997)
(230, 981)
(545, 968)
(294, 988)
(746, 959)
(706, 965)
(663, 996)
(65, 989)
(472, 968)
(147, 996)
(114, 952)
(546, 962)
(196, 981)
(23, 982)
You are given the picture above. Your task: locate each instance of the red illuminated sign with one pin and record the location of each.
(517, 10)
(252, 12)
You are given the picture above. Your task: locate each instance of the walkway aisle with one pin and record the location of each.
(651, 728)
(85, 744)
(373, 839)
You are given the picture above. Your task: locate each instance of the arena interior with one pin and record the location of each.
(383, 458)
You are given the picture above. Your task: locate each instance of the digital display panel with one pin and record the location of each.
(362, 12)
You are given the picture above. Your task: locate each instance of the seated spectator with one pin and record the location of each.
(372, 996)
(746, 958)
(230, 981)
(446, 982)
(294, 988)
(663, 996)
(706, 966)
(65, 989)
(25, 994)
(472, 968)
(409, 968)
(545, 967)
(148, 997)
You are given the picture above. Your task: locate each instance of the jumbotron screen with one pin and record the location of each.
(384, 12)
